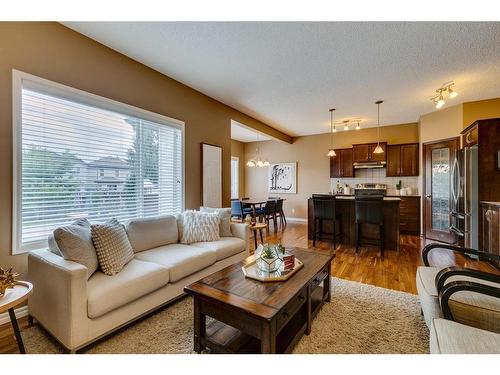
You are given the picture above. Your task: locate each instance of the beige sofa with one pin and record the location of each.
(77, 311)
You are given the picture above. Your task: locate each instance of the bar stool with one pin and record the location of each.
(369, 211)
(324, 210)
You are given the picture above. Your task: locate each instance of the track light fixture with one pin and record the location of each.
(346, 124)
(446, 89)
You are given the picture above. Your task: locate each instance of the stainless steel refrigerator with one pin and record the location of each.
(465, 197)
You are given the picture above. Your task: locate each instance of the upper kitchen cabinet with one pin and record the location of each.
(402, 160)
(364, 152)
(341, 165)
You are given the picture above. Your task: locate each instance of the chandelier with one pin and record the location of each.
(256, 160)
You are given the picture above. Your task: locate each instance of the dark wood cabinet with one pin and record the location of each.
(341, 165)
(402, 160)
(409, 215)
(364, 152)
(489, 232)
(393, 165)
(360, 153)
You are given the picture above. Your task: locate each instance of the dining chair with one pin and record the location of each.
(280, 214)
(268, 212)
(237, 210)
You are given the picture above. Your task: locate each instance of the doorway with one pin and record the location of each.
(235, 177)
(439, 157)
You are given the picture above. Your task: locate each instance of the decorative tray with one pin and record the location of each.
(252, 271)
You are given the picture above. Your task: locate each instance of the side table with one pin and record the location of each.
(14, 297)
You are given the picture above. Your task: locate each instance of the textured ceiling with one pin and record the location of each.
(289, 74)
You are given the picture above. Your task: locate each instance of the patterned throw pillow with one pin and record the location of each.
(199, 227)
(224, 217)
(112, 246)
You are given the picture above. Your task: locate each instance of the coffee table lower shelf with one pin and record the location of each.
(222, 338)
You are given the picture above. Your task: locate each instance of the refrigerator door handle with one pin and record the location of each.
(454, 175)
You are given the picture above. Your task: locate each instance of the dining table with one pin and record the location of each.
(255, 204)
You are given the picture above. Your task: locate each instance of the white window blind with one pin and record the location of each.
(81, 160)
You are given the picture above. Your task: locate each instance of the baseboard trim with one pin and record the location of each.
(296, 219)
(20, 312)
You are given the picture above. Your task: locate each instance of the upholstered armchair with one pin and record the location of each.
(463, 295)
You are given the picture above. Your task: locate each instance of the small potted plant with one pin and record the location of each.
(7, 280)
(269, 258)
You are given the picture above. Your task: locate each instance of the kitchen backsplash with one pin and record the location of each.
(378, 176)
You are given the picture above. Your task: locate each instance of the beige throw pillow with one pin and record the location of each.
(112, 246)
(199, 227)
(74, 242)
(224, 217)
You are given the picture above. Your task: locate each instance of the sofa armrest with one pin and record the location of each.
(466, 251)
(448, 272)
(241, 230)
(459, 286)
(59, 299)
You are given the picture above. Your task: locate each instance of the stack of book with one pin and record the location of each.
(288, 262)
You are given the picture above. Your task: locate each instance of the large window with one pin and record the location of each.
(79, 155)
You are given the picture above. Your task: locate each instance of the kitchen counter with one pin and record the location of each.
(351, 197)
(345, 209)
(387, 196)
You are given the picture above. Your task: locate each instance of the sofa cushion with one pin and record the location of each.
(112, 246)
(180, 260)
(148, 233)
(224, 219)
(225, 247)
(469, 308)
(136, 279)
(74, 242)
(448, 337)
(199, 227)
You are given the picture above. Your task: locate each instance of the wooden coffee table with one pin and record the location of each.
(256, 317)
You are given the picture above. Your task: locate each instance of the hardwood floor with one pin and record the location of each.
(397, 271)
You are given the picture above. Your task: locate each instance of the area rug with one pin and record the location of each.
(360, 319)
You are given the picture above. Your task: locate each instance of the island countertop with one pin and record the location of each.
(351, 197)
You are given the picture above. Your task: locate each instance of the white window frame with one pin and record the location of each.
(20, 79)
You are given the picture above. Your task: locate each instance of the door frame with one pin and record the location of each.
(450, 237)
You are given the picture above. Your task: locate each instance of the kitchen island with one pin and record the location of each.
(345, 209)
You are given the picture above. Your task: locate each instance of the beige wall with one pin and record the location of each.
(313, 166)
(238, 150)
(441, 124)
(482, 109)
(54, 52)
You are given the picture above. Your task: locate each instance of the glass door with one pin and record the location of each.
(439, 160)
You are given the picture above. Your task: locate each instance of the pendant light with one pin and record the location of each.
(256, 161)
(331, 151)
(378, 149)
(346, 124)
(358, 126)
